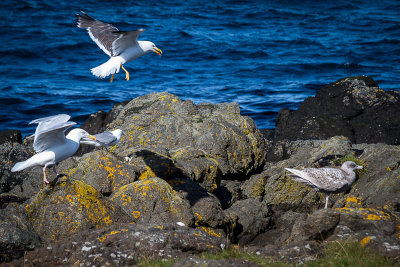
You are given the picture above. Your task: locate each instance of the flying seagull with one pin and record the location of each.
(120, 46)
(104, 139)
(327, 180)
(51, 144)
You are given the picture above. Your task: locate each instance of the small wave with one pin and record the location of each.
(20, 53)
(185, 33)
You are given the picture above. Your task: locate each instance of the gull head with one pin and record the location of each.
(150, 46)
(77, 134)
(351, 166)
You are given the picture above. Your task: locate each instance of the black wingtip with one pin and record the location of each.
(84, 15)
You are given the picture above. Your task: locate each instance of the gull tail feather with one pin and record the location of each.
(299, 176)
(295, 172)
(19, 166)
(110, 67)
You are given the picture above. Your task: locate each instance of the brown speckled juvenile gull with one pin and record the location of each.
(327, 180)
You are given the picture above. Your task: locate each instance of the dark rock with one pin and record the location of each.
(249, 218)
(379, 185)
(354, 107)
(280, 233)
(13, 136)
(124, 245)
(113, 114)
(22, 184)
(229, 192)
(7, 198)
(317, 226)
(16, 236)
(205, 142)
(94, 124)
(205, 207)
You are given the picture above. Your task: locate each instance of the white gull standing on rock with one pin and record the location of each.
(120, 46)
(51, 144)
(327, 180)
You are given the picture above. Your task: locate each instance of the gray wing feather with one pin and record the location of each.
(103, 34)
(105, 138)
(329, 179)
(50, 131)
(126, 41)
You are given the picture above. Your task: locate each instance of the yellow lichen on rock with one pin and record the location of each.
(69, 207)
(152, 200)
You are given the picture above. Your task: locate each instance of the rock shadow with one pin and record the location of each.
(165, 168)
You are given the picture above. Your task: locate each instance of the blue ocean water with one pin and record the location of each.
(265, 55)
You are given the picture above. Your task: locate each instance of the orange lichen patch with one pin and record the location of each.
(107, 220)
(352, 199)
(373, 217)
(210, 231)
(365, 240)
(198, 216)
(148, 173)
(398, 228)
(159, 227)
(367, 213)
(136, 214)
(104, 237)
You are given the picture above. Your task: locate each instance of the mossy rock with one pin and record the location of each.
(102, 170)
(205, 142)
(290, 195)
(69, 207)
(153, 201)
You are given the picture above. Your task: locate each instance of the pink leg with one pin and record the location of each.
(326, 201)
(44, 175)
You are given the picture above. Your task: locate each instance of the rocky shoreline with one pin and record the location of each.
(187, 179)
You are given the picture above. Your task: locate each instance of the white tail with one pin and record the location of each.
(19, 166)
(110, 67)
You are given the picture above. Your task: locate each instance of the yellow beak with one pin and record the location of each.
(92, 137)
(158, 51)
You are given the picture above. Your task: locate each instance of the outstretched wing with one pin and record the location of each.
(127, 39)
(103, 34)
(50, 131)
